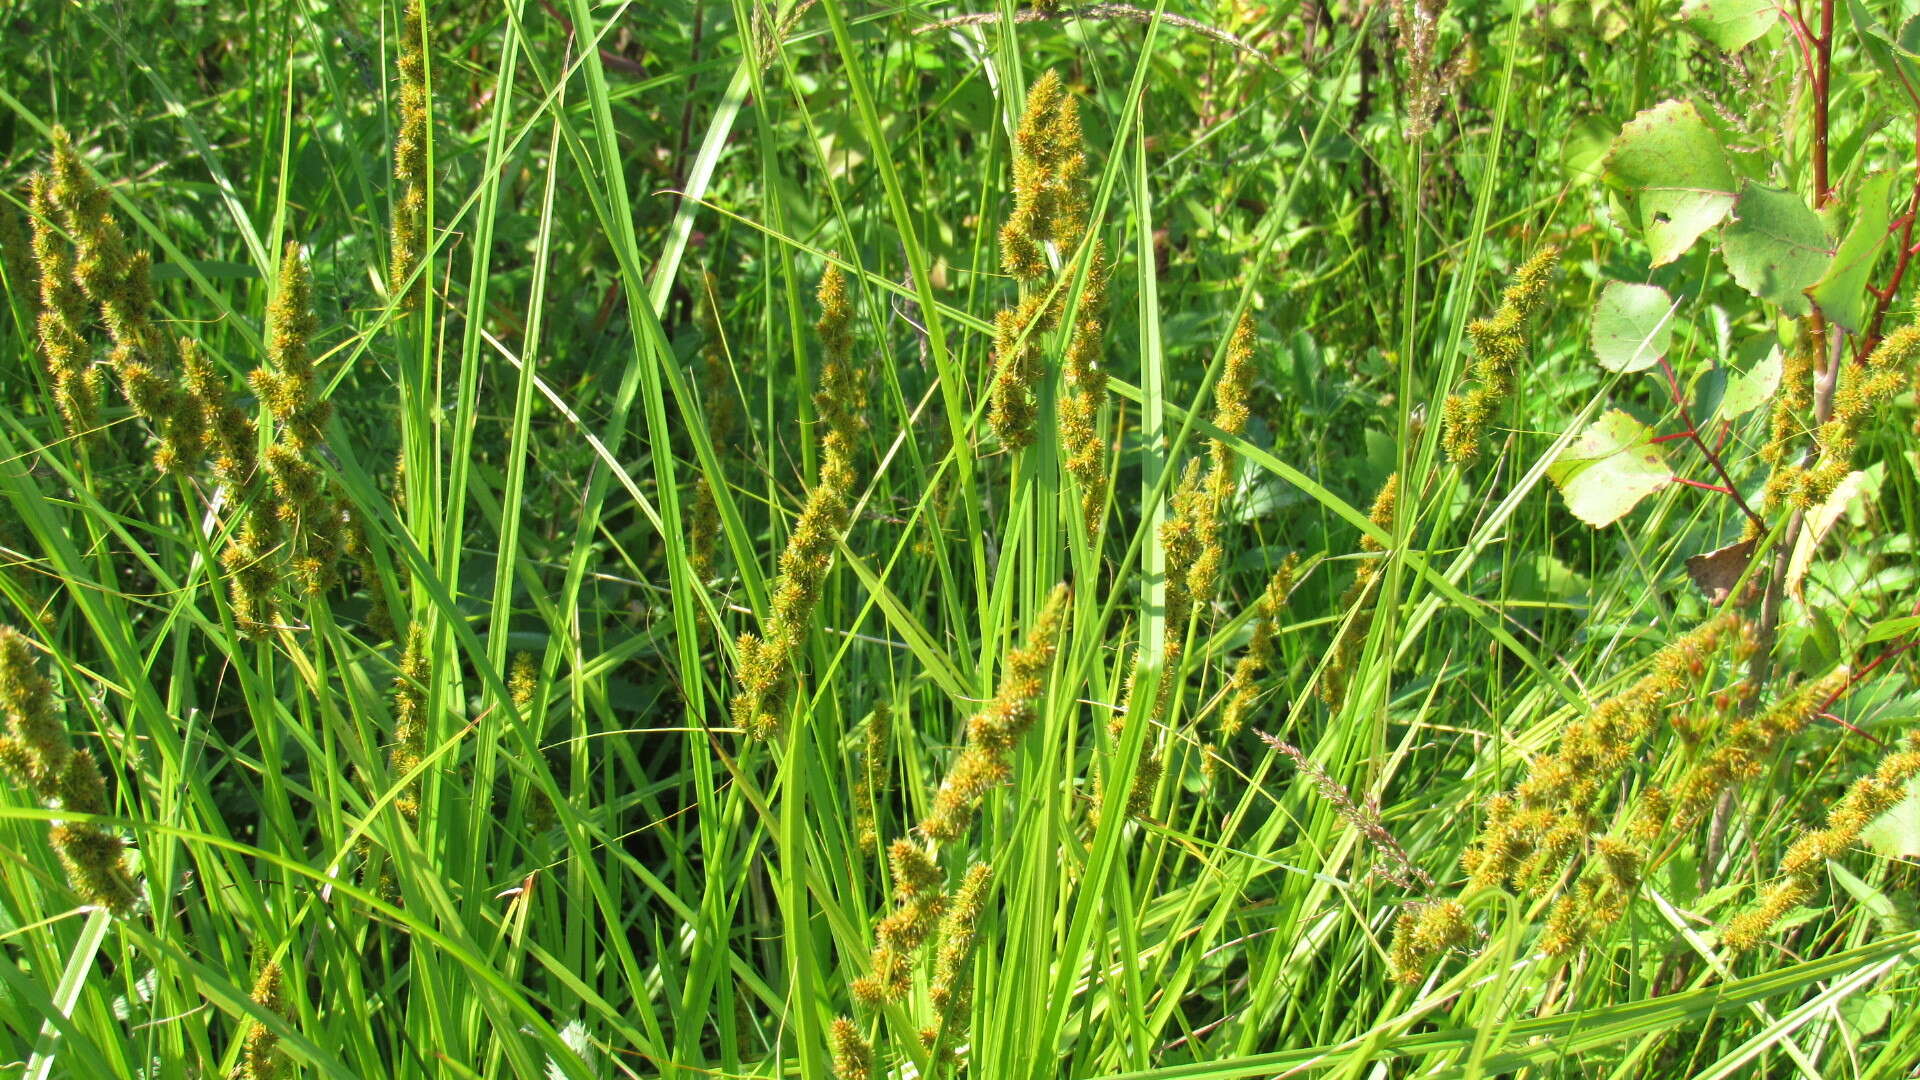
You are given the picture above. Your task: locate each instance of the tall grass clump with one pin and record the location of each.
(1009, 541)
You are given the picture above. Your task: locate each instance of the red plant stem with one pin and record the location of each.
(1704, 486)
(1687, 434)
(1883, 298)
(1726, 485)
(1822, 83)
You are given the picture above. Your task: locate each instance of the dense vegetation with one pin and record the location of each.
(594, 539)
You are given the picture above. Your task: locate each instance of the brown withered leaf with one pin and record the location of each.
(1717, 572)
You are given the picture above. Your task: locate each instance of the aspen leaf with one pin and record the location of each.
(1842, 291)
(1607, 471)
(1632, 326)
(1894, 56)
(1731, 25)
(1748, 390)
(1776, 247)
(1675, 175)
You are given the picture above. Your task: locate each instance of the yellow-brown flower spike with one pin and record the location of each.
(1183, 543)
(1235, 386)
(1861, 391)
(313, 516)
(1244, 685)
(952, 989)
(286, 384)
(410, 165)
(250, 560)
(1190, 536)
(116, 278)
(1499, 344)
(919, 903)
(77, 382)
(1421, 933)
(1047, 163)
(841, 399)
(766, 661)
(1085, 392)
(871, 775)
(1346, 648)
(260, 1056)
(1017, 367)
(231, 437)
(1740, 756)
(852, 1055)
(1531, 834)
(1049, 210)
(993, 731)
(1867, 799)
(410, 721)
(34, 751)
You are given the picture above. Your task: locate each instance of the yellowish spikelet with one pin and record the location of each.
(1048, 160)
(410, 168)
(77, 382)
(117, 279)
(1867, 799)
(1421, 933)
(1049, 210)
(1244, 685)
(410, 720)
(766, 663)
(1743, 751)
(871, 776)
(1346, 647)
(993, 731)
(260, 1056)
(1499, 344)
(852, 1055)
(35, 753)
(1085, 393)
(919, 903)
(1861, 391)
(1532, 833)
(952, 990)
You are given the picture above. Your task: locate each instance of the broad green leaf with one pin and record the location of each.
(1908, 42)
(1776, 247)
(1896, 833)
(1891, 628)
(1731, 24)
(1895, 915)
(1867, 1015)
(1894, 59)
(1750, 389)
(1632, 325)
(1842, 291)
(1675, 174)
(1609, 469)
(1583, 150)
